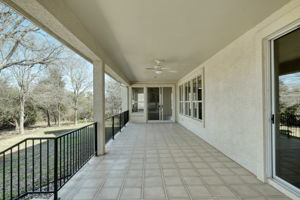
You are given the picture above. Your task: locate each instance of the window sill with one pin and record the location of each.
(137, 113)
(198, 120)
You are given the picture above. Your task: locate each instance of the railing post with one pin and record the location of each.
(55, 169)
(120, 124)
(96, 138)
(123, 117)
(113, 127)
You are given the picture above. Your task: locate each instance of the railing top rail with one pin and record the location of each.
(44, 138)
(290, 114)
(69, 132)
(59, 158)
(115, 115)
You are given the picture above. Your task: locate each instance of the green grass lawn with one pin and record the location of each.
(73, 151)
(9, 138)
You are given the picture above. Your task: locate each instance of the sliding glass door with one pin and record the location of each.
(154, 104)
(159, 103)
(286, 109)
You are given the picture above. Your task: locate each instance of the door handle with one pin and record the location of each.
(273, 119)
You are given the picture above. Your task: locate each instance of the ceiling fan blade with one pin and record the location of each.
(158, 62)
(150, 68)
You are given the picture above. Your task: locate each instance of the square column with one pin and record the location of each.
(124, 96)
(99, 104)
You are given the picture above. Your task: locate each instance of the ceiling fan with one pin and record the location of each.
(159, 68)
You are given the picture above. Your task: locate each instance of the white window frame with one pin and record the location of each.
(187, 99)
(138, 102)
(196, 101)
(192, 99)
(181, 94)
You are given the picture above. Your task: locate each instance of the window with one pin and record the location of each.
(197, 102)
(181, 99)
(137, 100)
(187, 98)
(190, 98)
(194, 97)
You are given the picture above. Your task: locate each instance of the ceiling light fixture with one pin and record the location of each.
(159, 67)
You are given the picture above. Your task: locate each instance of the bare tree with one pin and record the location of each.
(58, 96)
(17, 34)
(113, 100)
(24, 77)
(79, 80)
(49, 94)
(25, 50)
(8, 104)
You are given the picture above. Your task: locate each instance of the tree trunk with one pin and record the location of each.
(22, 114)
(55, 118)
(112, 111)
(58, 115)
(75, 117)
(75, 111)
(16, 124)
(48, 118)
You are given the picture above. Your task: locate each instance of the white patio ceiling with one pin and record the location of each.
(184, 33)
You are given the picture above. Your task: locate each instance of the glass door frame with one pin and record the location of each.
(274, 110)
(160, 101)
(158, 108)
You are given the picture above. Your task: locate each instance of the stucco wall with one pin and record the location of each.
(234, 94)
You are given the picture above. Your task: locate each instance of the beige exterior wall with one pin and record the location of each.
(236, 94)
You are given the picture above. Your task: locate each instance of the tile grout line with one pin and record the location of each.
(173, 148)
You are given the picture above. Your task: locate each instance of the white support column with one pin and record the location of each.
(99, 103)
(124, 96)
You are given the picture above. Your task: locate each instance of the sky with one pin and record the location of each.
(43, 35)
(292, 81)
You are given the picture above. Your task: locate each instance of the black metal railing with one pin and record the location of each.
(290, 124)
(45, 164)
(114, 124)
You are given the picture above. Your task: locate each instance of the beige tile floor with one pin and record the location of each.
(164, 161)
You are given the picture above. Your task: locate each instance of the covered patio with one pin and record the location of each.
(164, 161)
(202, 86)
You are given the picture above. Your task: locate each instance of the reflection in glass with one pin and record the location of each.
(287, 103)
(181, 99)
(167, 103)
(153, 104)
(187, 98)
(200, 110)
(160, 103)
(199, 89)
(137, 100)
